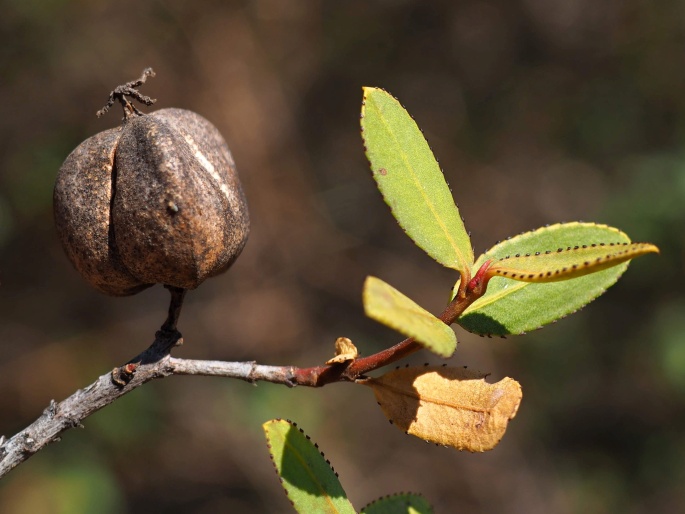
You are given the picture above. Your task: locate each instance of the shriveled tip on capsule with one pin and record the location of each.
(129, 89)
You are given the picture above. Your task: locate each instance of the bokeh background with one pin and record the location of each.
(539, 111)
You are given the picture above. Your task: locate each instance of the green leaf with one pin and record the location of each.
(510, 307)
(308, 479)
(404, 503)
(566, 263)
(411, 182)
(387, 305)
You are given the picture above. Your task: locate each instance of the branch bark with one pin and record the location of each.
(156, 362)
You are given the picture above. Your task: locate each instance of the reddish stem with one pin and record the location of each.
(480, 281)
(321, 375)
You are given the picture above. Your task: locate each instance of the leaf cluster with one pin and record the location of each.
(541, 263)
(520, 284)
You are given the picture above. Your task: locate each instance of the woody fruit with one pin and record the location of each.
(155, 200)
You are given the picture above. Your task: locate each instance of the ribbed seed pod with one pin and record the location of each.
(156, 200)
(178, 211)
(82, 200)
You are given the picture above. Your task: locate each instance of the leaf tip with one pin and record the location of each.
(651, 248)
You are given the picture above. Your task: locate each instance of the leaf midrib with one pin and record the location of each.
(304, 465)
(429, 399)
(460, 257)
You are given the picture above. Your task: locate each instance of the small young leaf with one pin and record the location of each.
(387, 305)
(403, 503)
(449, 406)
(511, 307)
(345, 351)
(567, 263)
(306, 476)
(411, 182)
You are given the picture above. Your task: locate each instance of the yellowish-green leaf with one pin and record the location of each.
(449, 406)
(403, 503)
(567, 263)
(411, 181)
(388, 306)
(512, 307)
(308, 479)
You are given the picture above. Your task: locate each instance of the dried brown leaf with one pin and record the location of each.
(449, 406)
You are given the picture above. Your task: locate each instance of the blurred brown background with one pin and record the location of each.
(539, 111)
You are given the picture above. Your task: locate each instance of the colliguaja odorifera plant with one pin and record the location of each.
(157, 200)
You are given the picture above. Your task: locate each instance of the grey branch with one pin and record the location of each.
(155, 362)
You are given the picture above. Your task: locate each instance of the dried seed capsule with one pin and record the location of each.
(178, 212)
(156, 200)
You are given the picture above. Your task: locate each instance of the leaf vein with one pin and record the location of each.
(460, 257)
